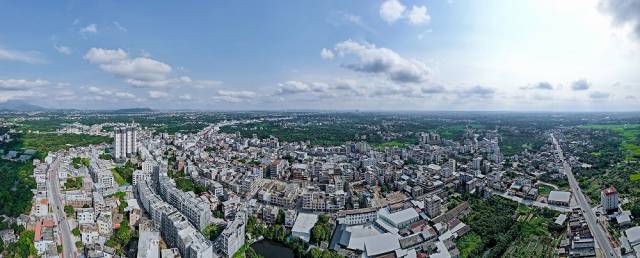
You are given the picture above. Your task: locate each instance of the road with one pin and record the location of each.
(531, 202)
(68, 246)
(590, 217)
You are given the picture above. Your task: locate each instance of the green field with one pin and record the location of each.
(630, 134)
(468, 243)
(15, 187)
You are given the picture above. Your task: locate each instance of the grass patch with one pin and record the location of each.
(544, 190)
(468, 243)
(535, 226)
(635, 177)
(119, 179)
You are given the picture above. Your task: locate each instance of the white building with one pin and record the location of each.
(149, 244)
(609, 199)
(124, 142)
(302, 226)
(432, 205)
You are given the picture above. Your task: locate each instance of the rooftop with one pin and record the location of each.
(559, 196)
(304, 222)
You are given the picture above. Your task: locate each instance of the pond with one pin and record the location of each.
(268, 248)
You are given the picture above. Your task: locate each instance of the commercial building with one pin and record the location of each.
(559, 198)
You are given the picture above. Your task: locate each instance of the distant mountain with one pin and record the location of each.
(132, 110)
(20, 106)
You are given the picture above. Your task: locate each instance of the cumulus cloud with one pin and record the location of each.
(30, 57)
(185, 97)
(580, 85)
(538, 86)
(384, 61)
(91, 28)
(63, 49)
(21, 84)
(340, 87)
(478, 91)
(418, 15)
(142, 71)
(599, 95)
(433, 89)
(624, 13)
(201, 84)
(110, 93)
(234, 96)
(392, 10)
(155, 94)
(139, 71)
(326, 54)
(101, 55)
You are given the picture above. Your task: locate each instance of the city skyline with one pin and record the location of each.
(335, 55)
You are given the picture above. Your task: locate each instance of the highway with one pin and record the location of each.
(590, 217)
(68, 246)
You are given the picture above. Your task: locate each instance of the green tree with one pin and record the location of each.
(24, 246)
(280, 217)
(635, 210)
(211, 231)
(68, 209)
(76, 231)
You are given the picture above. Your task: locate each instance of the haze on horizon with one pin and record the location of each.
(505, 55)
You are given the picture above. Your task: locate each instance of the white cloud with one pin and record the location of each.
(111, 93)
(63, 49)
(599, 95)
(581, 84)
(154, 94)
(201, 84)
(141, 71)
(101, 55)
(418, 15)
(392, 10)
(185, 97)
(30, 57)
(333, 88)
(384, 61)
(119, 26)
(91, 28)
(21, 84)
(326, 54)
(234, 96)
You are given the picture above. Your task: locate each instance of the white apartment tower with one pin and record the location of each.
(125, 142)
(609, 199)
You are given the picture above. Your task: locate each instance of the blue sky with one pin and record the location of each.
(368, 55)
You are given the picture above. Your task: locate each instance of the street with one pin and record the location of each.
(68, 246)
(590, 217)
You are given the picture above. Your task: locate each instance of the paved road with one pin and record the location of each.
(68, 246)
(590, 217)
(531, 202)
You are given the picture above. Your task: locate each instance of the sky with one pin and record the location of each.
(502, 55)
